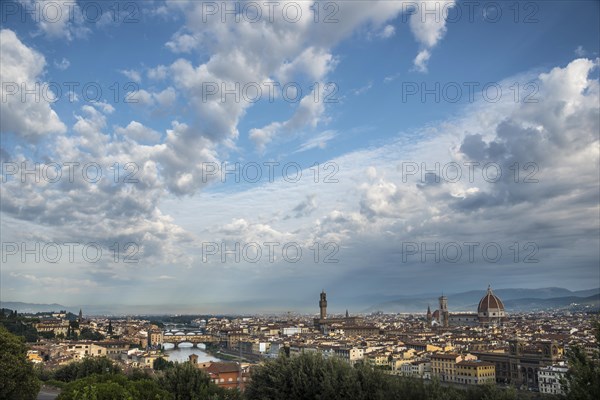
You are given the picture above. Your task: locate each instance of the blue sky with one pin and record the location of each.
(542, 55)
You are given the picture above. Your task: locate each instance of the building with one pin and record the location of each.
(350, 354)
(550, 379)
(146, 359)
(416, 369)
(441, 316)
(34, 356)
(325, 324)
(490, 312)
(422, 347)
(491, 309)
(111, 349)
(429, 316)
(463, 319)
(360, 330)
(56, 326)
(114, 348)
(475, 372)
(155, 338)
(323, 305)
(443, 312)
(444, 365)
(521, 364)
(227, 374)
(291, 330)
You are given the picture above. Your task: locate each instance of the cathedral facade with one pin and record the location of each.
(490, 312)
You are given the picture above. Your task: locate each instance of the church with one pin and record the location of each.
(490, 312)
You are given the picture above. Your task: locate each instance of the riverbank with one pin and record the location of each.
(231, 355)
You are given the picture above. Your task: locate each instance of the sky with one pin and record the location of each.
(240, 156)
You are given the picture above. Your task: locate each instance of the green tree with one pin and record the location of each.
(186, 382)
(161, 364)
(310, 376)
(88, 366)
(583, 378)
(113, 387)
(89, 334)
(47, 335)
(313, 377)
(17, 377)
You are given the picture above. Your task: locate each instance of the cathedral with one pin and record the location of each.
(490, 312)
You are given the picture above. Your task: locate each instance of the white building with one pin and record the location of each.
(350, 354)
(549, 379)
(416, 369)
(291, 330)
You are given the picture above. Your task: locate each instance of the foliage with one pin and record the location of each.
(89, 334)
(113, 387)
(18, 325)
(311, 376)
(46, 335)
(583, 378)
(161, 364)
(17, 377)
(88, 366)
(186, 382)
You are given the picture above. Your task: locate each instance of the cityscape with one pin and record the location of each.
(299, 200)
(488, 346)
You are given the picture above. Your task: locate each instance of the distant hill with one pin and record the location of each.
(514, 300)
(570, 302)
(34, 307)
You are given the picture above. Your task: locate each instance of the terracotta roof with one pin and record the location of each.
(222, 367)
(445, 356)
(490, 301)
(476, 363)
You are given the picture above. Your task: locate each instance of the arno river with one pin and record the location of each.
(182, 353)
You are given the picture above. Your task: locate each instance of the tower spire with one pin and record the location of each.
(323, 305)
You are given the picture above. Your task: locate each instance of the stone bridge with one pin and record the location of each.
(195, 338)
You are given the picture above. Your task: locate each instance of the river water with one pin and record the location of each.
(184, 350)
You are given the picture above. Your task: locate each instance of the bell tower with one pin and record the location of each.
(444, 315)
(323, 304)
(429, 317)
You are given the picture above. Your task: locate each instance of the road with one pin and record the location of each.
(47, 394)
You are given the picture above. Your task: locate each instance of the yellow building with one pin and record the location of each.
(56, 326)
(379, 359)
(475, 372)
(443, 366)
(34, 356)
